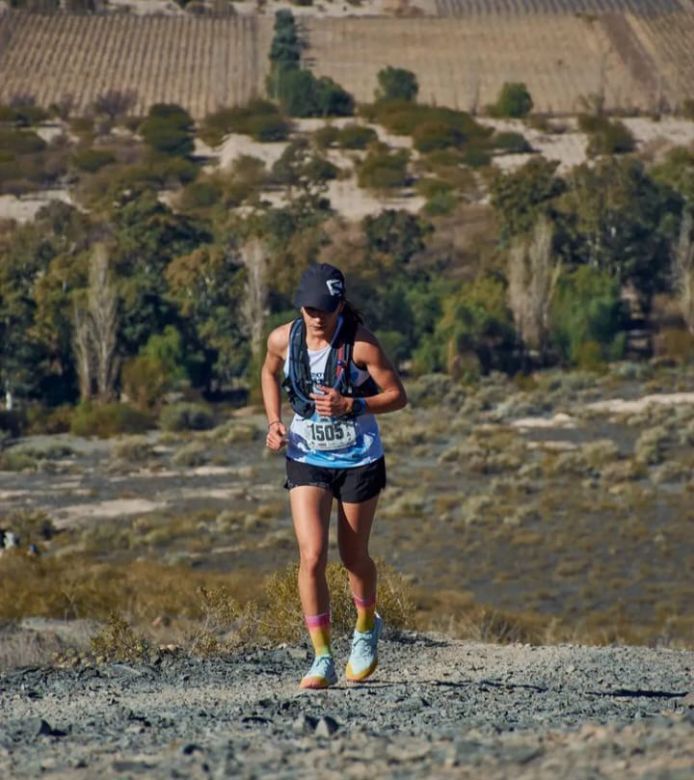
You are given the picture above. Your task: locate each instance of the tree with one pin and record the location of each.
(254, 256)
(299, 92)
(103, 318)
(587, 310)
(524, 195)
(115, 103)
(169, 129)
(618, 219)
(207, 287)
(605, 136)
(532, 277)
(476, 323)
(396, 84)
(147, 236)
(514, 101)
(41, 267)
(383, 170)
(96, 331)
(683, 268)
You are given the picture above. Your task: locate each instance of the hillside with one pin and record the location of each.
(636, 55)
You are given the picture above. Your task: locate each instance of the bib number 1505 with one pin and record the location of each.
(331, 435)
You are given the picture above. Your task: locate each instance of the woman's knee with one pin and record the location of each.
(313, 560)
(355, 559)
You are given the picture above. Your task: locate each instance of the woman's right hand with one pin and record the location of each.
(276, 436)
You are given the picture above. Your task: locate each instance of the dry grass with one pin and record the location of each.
(205, 613)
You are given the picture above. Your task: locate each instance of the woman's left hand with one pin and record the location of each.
(330, 403)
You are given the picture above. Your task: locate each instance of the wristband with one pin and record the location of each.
(274, 422)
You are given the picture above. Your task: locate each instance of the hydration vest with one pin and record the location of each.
(299, 384)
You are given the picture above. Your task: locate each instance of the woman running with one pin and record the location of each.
(337, 378)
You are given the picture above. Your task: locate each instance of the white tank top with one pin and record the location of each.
(333, 442)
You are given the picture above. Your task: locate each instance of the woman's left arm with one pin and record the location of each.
(367, 353)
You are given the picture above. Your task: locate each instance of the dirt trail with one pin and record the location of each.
(436, 707)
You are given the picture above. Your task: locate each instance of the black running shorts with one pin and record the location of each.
(351, 485)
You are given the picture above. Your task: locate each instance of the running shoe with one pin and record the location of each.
(322, 674)
(363, 659)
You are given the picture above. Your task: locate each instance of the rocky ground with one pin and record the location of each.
(436, 707)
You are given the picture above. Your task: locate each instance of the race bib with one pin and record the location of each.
(330, 434)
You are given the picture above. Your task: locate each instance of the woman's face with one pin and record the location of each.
(320, 324)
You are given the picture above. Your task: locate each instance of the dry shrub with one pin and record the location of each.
(278, 616)
(194, 454)
(75, 586)
(483, 624)
(16, 460)
(117, 641)
(108, 420)
(186, 417)
(675, 344)
(134, 449)
(31, 525)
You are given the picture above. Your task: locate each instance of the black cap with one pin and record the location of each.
(322, 287)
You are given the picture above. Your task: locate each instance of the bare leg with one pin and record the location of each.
(353, 532)
(311, 515)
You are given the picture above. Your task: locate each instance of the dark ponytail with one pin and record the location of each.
(351, 314)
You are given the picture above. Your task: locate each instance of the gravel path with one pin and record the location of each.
(436, 707)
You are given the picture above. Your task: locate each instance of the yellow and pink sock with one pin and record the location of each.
(319, 630)
(366, 613)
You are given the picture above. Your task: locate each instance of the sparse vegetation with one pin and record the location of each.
(514, 101)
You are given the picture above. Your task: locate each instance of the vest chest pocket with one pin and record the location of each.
(330, 434)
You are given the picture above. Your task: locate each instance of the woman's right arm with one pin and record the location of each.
(270, 383)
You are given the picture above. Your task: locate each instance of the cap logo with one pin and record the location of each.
(334, 286)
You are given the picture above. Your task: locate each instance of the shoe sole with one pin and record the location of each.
(351, 677)
(316, 683)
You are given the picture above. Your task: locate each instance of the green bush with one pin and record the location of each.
(82, 126)
(158, 172)
(91, 160)
(606, 137)
(476, 157)
(431, 136)
(587, 309)
(22, 115)
(166, 138)
(383, 170)
(326, 136)
(108, 420)
(440, 204)
(259, 118)
(186, 417)
(12, 423)
(301, 94)
(200, 195)
(430, 187)
(145, 379)
(513, 143)
(267, 128)
(168, 129)
(41, 419)
(514, 101)
(396, 84)
(21, 142)
(403, 118)
(356, 137)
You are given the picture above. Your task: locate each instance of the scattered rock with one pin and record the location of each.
(326, 727)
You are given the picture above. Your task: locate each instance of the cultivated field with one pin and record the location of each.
(201, 64)
(633, 61)
(636, 54)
